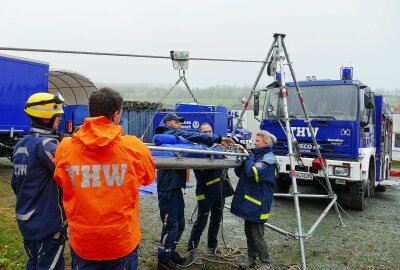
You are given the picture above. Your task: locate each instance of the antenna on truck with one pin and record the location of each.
(277, 58)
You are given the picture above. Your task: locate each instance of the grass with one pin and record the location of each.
(395, 164)
(12, 254)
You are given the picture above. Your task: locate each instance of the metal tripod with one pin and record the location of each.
(277, 54)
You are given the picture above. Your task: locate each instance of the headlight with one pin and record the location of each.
(341, 171)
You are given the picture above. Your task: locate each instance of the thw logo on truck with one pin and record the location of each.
(303, 131)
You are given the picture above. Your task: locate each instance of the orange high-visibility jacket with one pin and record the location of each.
(100, 172)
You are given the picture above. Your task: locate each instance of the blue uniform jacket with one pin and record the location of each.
(39, 209)
(254, 192)
(208, 188)
(170, 179)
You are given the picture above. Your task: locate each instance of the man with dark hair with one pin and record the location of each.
(100, 172)
(170, 197)
(39, 211)
(105, 102)
(211, 190)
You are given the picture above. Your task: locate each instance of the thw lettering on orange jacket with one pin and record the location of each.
(114, 174)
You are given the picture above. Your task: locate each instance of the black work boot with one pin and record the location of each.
(177, 259)
(249, 262)
(170, 265)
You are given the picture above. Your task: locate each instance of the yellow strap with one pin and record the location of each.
(276, 171)
(264, 216)
(200, 197)
(213, 181)
(252, 200)
(255, 173)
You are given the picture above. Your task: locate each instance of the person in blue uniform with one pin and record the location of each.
(211, 189)
(39, 211)
(253, 197)
(170, 198)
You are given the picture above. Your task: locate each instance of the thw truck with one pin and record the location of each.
(220, 119)
(353, 129)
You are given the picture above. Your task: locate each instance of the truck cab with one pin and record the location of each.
(346, 119)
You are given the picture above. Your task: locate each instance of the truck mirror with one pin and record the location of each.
(256, 106)
(364, 121)
(368, 101)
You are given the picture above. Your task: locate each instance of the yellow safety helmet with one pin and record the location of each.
(44, 105)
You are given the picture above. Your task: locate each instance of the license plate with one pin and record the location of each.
(304, 175)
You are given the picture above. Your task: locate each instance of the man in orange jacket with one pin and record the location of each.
(100, 172)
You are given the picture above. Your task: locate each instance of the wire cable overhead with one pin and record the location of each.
(122, 55)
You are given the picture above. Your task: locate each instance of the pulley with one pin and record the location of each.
(180, 60)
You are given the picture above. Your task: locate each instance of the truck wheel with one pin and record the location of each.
(380, 188)
(282, 184)
(358, 192)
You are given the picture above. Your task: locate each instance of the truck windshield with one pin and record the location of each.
(337, 102)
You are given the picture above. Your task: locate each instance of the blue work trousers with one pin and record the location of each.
(46, 254)
(172, 216)
(203, 211)
(128, 262)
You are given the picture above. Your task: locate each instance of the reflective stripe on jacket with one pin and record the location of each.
(100, 172)
(254, 192)
(208, 187)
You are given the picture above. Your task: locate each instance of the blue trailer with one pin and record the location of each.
(352, 126)
(19, 79)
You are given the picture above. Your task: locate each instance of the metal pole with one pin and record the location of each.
(291, 157)
(303, 195)
(308, 121)
(253, 89)
(318, 221)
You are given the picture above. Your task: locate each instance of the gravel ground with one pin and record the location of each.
(370, 241)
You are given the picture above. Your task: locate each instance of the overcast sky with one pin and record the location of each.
(321, 37)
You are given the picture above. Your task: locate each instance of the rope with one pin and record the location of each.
(294, 267)
(158, 108)
(123, 55)
(224, 255)
(194, 98)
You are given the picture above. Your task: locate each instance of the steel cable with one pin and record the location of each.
(123, 55)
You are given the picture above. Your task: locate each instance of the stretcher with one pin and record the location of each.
(187, 158)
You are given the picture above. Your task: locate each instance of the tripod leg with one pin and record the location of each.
(254, 88)
(289, 135)
(328, 184)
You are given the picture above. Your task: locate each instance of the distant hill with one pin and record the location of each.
(225, 95)
(394, 102)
